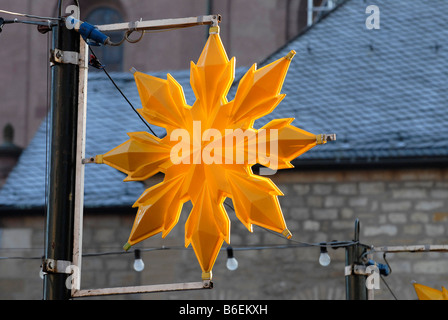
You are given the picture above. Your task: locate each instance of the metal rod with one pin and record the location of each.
(162, 24)
(412, 248)
(60, 206)
(80, 153)
(140, 289)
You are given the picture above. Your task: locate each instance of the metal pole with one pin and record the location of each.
(60, 206)
(355, 284)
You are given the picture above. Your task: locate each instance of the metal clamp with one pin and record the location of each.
(59, 56)
(356, 269)
(325, 137)
(207, 284)
(56, 266)
(95, 159)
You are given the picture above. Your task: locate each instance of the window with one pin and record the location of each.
(111, 57)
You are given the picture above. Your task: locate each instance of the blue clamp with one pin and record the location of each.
(91, 35)
(383, 268)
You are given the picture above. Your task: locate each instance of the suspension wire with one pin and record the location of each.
(334, 244)
(390, 290)
(238, 248)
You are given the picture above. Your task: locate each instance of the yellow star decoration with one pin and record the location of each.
(209, 123)
(428, 293)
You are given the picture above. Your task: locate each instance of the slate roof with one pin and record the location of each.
(383, 92)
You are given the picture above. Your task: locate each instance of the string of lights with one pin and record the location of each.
(336, 244)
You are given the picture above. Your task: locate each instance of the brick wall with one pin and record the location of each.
(395, 207)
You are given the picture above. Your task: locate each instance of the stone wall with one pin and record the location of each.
(395, 207)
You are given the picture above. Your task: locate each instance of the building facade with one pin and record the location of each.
(251, 31)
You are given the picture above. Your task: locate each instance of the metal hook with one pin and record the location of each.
(387, 262)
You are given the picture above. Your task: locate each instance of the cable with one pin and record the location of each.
(236, 248)
(333, 244)
(390, 290)
(28, 15)
(121, 92)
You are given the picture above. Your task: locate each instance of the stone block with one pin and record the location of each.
(325, 214)
(104, 235)
(301, 189)
(439, 194)
(419, 217)
(310, 225)
(347, 188)
(396, 206)
(412, 229)
(322, 189)
(358, 202)
(440, 217)
(315, 201)
(409, 194)
(428, 205)
(16, 237)
(420, 184)
(398, 217)
(342, 224)
(299, 213)
(372, 231)
(370, 188)
(347, 213)
(434, 230)
(431, 267)
(334, 201)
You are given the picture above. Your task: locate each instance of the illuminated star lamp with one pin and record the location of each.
(207, 185)
(428, 293)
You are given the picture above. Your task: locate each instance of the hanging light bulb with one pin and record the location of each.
(139, 265)
(324, 258)
(232, 263)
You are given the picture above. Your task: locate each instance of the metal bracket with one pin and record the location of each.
(325, 137)
(207, 284)
(88, 160)
(59, 56)
(56, 266)
(162, 23)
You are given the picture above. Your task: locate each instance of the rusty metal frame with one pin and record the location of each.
(162, 24)
(412, 248)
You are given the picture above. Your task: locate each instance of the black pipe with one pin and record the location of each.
(355, 284)
(61, 196)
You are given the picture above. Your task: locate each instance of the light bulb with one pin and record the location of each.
(232, 263)
(324, 258)
(139, 265)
